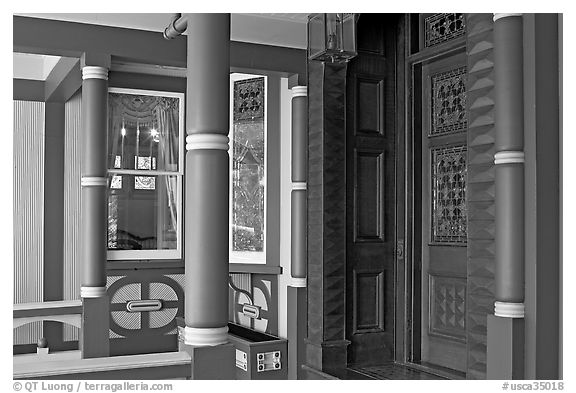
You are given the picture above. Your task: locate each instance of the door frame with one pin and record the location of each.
(409, 197)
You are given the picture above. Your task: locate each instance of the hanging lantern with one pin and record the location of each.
(332, 37)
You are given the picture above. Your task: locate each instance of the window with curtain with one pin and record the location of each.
(145, 169)
(248, 169)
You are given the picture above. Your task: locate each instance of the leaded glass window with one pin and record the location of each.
(449, 177)
(248, 157)
(145, 154)
(449, 102)
(440, 28)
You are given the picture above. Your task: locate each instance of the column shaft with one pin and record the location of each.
(94, 340)
(207, 179)
(299, 176)
(94, 197)
(509, 160)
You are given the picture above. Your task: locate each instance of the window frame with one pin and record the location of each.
(118, 255)
(240, 257)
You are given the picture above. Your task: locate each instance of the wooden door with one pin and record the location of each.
(370, 193)
(444, 213)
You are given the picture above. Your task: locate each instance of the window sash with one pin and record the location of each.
(178, 174)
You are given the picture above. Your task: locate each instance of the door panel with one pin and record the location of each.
(444, 214)
(370, 190)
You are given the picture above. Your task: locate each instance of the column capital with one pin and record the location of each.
(509, 310)
(94, 72)
(299, 91)
(504, 15)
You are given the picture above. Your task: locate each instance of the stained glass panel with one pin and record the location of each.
(144, 183)
(449, 102)
(443, 27)
(449, 213)
(249, 99)
(116, 182)
(248, 166)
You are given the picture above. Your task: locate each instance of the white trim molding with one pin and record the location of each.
(504, 15)
(203, 337)
(298, 282)
(93, 181)
(207, 141)
(299, 185)
(92, 291)
(509, 310)
(94, 72)
(509, 157)
(299, 91)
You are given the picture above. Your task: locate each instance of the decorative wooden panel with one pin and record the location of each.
(370, 101)
(440, 28)
(448, 307)
(368, 301)
(449, 210)
(263, 289)
(480, 103)
(369, 196)
(145, 285)
(449, 102)
(326, 202)
(28, 197)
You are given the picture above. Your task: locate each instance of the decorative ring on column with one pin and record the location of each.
(298, 282)
(299, 91)
(500, 16)
(207, 141)
(299, 185)
(509, 310)
(92, 291)
(93, 181)
(205, 336)
(94, 72)
(509, 157)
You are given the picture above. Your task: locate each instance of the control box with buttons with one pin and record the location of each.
(258, 355)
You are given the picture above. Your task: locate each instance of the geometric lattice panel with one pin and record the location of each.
(449, 102)
(449, 210)
(448, 306)
(440, 28)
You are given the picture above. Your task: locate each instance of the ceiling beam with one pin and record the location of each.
(70, 39)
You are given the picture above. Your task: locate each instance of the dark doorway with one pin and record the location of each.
(371, 191)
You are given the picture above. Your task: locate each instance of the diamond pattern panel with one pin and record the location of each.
(480, 84)
(326, 203)
(448, 307)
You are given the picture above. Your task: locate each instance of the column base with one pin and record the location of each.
(505, 352)
(327, 355)
(298, 282)
(211, 362)
(296, 331)
(94, 335)
(203, 337)
(509, 310)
